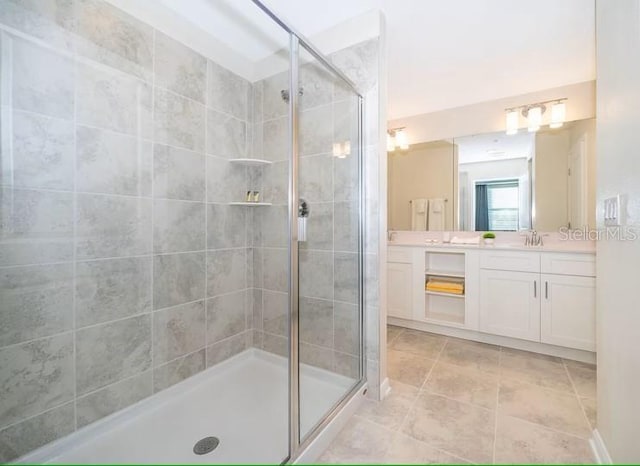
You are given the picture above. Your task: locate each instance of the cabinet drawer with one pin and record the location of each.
(569, 264)
(508, 260)
(399, 255)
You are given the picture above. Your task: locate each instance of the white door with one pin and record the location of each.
(568, 311)
(578, 184)
(510, 304)
(399, 292)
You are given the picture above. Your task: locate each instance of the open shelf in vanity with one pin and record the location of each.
(444, 283)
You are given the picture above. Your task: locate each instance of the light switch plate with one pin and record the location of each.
(614, 211)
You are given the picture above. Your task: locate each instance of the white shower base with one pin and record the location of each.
(242, 401)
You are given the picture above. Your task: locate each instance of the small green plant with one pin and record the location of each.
(489, 235)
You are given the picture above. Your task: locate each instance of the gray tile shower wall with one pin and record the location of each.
(362, 64)
(122, 268)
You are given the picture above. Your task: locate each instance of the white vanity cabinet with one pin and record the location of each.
(403, 281)
(399, 293)
(542, 297)
(408, 271)
(509, 294)
(510, 304)
(536, 297)
(568, 297)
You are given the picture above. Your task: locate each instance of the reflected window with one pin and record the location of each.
(497, 205)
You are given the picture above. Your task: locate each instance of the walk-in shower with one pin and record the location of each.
(157, 302)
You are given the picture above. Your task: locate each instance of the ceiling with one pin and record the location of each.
(247, 31)
(451, 53)
(490, 147)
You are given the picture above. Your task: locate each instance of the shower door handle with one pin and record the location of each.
(303, 214)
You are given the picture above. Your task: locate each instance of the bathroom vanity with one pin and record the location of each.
(538, 299)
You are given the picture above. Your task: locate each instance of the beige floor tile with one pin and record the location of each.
(545, 371)
(361, 441)
(521, 442)
(583, 377)
(423, 344)
(471, 355)
(393, 332)
(467, 385)
(407, 368)
(549, 408)
(461, 429)
(590, 409)
(402, 389)
(391, 411)
(407, 450)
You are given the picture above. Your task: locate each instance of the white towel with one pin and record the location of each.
(436, 214)
(419, 214)
(470, 240)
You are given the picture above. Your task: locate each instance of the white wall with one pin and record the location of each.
(588, 129)
(426, 171)
(550, 180)
(618, 147)
(551, 184)
(488, 117)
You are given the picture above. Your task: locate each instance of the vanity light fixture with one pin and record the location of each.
(397, 139)
(512, 121)
(341, 149)
(391, 142)
(533, 114)
(558, 114)
(401, 139)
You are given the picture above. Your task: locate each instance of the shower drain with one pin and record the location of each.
(206, 445)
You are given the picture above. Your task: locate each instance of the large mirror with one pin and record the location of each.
(496, 182)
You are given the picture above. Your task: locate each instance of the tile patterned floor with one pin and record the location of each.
(456, 401)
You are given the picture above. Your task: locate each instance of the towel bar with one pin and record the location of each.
(445, 200)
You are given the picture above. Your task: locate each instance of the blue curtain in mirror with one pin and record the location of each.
(482, 208)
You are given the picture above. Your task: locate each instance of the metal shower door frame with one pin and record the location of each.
(296, 443)
(296, 41)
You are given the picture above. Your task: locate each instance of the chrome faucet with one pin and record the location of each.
(534, 239)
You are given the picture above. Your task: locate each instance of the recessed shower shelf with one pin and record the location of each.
(252, 204)
(251, 162)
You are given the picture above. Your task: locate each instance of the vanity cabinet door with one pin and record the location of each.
(510, 304)
(568, 311)
(399, 290)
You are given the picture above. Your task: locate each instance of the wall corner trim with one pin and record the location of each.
(599, 449)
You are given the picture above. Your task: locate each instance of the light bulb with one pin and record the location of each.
(558, 114)
(391, 143)
(346, 149)
(512, 122)
(401, 140)
(337, 149)
(535, 118)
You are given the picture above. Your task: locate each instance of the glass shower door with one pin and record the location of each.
(329, 328)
